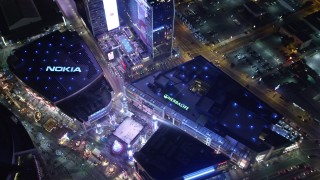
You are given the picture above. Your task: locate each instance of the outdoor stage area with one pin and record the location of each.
(128, 130)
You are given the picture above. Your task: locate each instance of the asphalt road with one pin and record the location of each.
(190, 47)
(68, 8)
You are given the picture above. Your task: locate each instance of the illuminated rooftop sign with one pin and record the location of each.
(176, 102)
(63, 69)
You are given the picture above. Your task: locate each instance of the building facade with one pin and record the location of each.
(102, 15)
(61, 68)
(15, 16)
(153, 22)
(199, 162)
(201, 100)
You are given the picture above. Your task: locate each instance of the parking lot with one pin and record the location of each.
(259, 57)
(212, 21)
(275, 9)
(313, 61)
(216, 21)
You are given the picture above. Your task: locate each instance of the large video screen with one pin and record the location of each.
(111, 11)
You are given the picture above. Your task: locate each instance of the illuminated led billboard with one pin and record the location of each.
(111, 11)
(110, 55)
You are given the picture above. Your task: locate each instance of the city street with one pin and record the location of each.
(68, 8)
(69, 149)
(65, 155)
(190, 47)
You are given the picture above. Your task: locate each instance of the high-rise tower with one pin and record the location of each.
(102, 15)
(153, 21)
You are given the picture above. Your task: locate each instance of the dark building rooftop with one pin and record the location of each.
(207, 96)
(314, 19)
(171, 153)
(18, 13)
(25, 18)
(14, 139)
(88, 101)
(273, 139)
(300, 29)
(254, 8)
(304, 91)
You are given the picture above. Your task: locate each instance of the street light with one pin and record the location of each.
(155, 122)
(4, 42)
(154, 117)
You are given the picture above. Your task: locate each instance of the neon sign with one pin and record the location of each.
(199, 173)
(176, 102)
(63, 69)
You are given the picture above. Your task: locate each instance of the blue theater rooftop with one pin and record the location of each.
(204, 94)
(61, 67)
(41, 63)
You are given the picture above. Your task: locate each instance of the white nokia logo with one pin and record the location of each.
(63, 69)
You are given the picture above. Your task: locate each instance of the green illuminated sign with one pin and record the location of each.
(176, 102)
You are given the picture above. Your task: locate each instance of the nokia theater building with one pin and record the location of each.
(62, 69)
(203, 101)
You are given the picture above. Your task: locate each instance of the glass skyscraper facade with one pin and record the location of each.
(96, 16)
(163, 20)
(141, 17)
(102, 15)
(153, 21)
